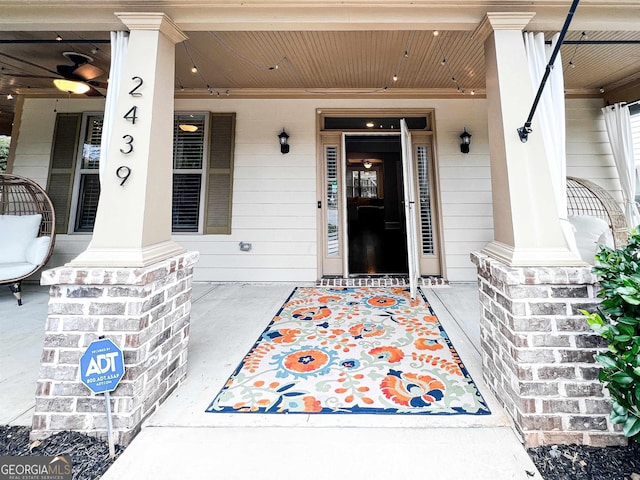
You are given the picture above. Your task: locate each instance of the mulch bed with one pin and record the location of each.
(577, 462)
(90, 456)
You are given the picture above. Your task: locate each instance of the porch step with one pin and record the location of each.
(375, 281)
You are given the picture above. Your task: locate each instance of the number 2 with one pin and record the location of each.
(133, 91)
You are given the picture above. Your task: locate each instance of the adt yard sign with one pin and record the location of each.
(102, 366)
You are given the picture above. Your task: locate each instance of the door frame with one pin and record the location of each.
(337, 137)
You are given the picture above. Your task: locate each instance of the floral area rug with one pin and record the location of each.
(352, 350)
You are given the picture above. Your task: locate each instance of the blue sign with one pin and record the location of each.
(102, 366)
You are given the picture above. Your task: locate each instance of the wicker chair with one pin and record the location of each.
(586, 198)
(21, 196)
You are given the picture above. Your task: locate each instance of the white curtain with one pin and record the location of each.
(618, 122)
(551, 121)
(119, 42)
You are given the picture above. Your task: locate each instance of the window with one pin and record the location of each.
(362, 183)
(202, 172)
(188, 162)
(88, 178)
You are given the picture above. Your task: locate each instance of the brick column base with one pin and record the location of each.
(143, 310)
(537, 352)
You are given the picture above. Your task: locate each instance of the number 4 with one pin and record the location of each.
(131, 114)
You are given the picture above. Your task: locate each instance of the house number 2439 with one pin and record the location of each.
(123, 172)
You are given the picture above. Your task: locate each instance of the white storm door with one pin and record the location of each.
(410, 208)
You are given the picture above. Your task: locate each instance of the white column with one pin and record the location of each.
(527, 230)
(133, 221)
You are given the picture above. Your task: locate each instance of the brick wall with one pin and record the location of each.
(537, 352)
(145, 311)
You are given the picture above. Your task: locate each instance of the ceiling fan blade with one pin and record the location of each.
(93, 92)
(88, 71)
(95, 83)
(66, 70)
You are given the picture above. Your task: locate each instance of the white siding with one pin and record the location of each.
(465, 184)
(274, 195)
(588, 150)
(33, 148)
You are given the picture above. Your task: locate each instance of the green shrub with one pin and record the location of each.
(618, 321)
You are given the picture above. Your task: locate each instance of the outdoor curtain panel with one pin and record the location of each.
(119, 43)
(551, 121)
(618, 122)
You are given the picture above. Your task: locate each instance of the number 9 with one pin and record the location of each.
(123, 174)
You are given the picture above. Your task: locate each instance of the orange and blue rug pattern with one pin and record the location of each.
(352, 350)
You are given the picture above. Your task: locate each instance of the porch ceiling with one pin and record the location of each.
(316, 63)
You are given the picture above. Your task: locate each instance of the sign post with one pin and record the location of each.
(101, 369)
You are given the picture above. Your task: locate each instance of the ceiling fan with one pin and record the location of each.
(79, 78)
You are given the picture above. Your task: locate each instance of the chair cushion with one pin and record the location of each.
(15, 270)
(16, 232)
(37, 250)
(590, 231)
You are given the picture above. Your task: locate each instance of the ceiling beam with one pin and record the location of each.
(297, 15)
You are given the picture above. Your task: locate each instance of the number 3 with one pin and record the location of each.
(129, 142)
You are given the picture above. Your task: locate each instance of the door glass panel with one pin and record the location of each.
(426, 219)
(331, 165)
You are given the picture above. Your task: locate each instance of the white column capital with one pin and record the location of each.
(156, 21)
(501, 21)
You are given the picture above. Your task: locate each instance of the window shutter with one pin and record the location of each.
(61, 167)
(220, 173)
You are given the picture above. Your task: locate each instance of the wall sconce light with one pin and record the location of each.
(367, 164)
(465, 138)
(284, 145)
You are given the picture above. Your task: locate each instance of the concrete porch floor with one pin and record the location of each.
(182, 441)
